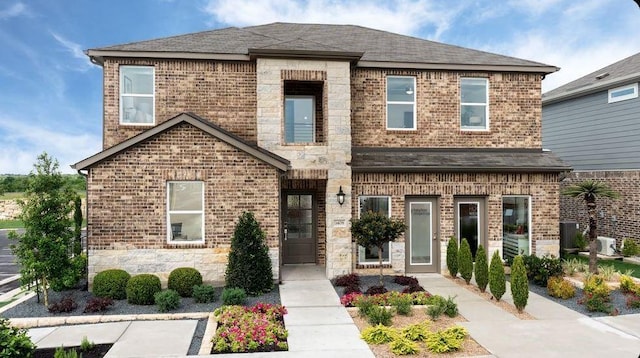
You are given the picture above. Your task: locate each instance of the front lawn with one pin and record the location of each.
(623, 267)
(11, 224)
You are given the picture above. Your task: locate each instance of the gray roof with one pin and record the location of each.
(622, 72)
(198, 122)
(375, 48)
(455, 160)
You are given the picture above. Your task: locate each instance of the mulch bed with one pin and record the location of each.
(98, 351)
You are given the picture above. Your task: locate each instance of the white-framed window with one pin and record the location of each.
(380, 204)
(401, 103)
(516, 226)
(474, 104)
(185, 211)
(137, 102)
(623, 93)
(299, 119)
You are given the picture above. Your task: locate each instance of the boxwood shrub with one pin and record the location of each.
(142, 288)
(111, 284)
(183, 279)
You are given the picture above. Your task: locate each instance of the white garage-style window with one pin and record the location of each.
(474, 104)
(380, 204)
(185, 211)
(137, 102)
(401, 103)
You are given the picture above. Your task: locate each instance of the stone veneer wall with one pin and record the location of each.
(514, 110)
(626, 209)
(543, 189)
(326, 160)
(127, 203)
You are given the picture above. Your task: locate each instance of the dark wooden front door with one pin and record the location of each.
(299, 241)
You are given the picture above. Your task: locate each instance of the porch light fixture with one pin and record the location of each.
(341, 196)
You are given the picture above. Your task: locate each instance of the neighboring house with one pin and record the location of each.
(278, 119)
(593, 123)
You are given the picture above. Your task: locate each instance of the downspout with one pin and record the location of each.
(86, 213)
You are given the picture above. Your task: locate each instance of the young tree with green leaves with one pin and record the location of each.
(374, 229)
(44, 251)
(77, 220)
(589, 191)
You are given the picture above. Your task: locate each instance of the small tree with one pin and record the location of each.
(589, 191)
(44, 250)
(465, 261)
(77, 220)
(249, 266)
(519, 283)
(452, 256)
(497, 279)
(481, 269)
(374, 229)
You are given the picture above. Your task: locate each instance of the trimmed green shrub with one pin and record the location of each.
(14, 342)
(481, 269)
(519, 283)
(630, 248)
(111, 284)
(560, 288)
(233, 296)
(183, 279)
(249, 265)
(403, 304)
(447, 340)
(142, 288)
(465, 261)
(379, 315)
(497, 279)
(450, 307)
(435, 311)
(452, 256)
(167, 300)
(204, 294)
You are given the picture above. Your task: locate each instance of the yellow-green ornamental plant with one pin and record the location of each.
(519, 283)
(481, 269)
(465, 261)
(452, 256)
(497, 279)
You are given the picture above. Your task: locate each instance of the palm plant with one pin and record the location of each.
(589, 191)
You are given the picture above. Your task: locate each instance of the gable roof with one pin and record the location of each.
(369, 47)
(198, 122)
(620, 73)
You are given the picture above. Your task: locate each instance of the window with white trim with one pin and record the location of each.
(137, 102)
(516, 226)
(185, 211)
(380, 204)
(623, 93)
(401, 103)
(474, 104)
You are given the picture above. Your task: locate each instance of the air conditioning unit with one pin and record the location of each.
(606, 246)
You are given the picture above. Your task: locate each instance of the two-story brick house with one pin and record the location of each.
(279, 119)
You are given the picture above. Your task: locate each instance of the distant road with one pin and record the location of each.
(8, 266)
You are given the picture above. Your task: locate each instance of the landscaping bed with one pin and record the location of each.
(98, 351)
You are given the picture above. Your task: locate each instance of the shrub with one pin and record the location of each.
(416, 332)
(607, 272)
(413, 288)
(67, 304)
(633, 301)
(364, 304)
(497, 279)
(352, 289)
(378, 334)
(630, 248)
(379, 315)
(376, 290)
(204, 294)
(62, 353)
(98, 304)
(465, 261)
(447, 340)
(452, 256)
(627, 285)
(571, 266)
(349, 299)
(249, 265)
(596, 285)
(347, 280)
(405, 280)
(142, 288)
(233, 296)
(450, 307)
(183, 279)
(481, 269)
(86, 345)
(519, 284)
(581, 241)
(403, 346)
(435, 311)
(403, 304)
(560, 288)
(167, 300)
(111, 283)
(596, 295)
(539, 269)
(14, 342)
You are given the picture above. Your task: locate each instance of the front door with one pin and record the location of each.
(470, 222)
(421, 236)
(299, 231)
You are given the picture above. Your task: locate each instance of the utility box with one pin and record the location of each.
(568, 231)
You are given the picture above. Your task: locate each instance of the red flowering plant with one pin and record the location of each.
(259, 328)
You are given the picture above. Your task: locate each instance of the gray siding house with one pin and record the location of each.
(593, 123)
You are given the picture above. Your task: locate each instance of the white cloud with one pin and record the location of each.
(75, 50)
(535, 7)
(14, 10)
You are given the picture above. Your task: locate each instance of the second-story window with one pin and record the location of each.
(137, 105)
(401, 102)
(474, 104)
(299, 119)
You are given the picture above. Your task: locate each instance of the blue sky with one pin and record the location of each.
(51, 95)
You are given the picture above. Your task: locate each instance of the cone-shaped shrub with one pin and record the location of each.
(481, 269)
(497, 280)
(519, 283)
(452, 256)
(465, 261)
(249, 265)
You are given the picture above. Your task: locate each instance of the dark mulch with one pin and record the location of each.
(369, 281)
(98, 351)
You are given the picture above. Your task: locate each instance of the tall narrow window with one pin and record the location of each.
(516, 226)
(299, 119)
(185, 208)
(474, 104)
(401, 102)
(380, 204)
(137, 105)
